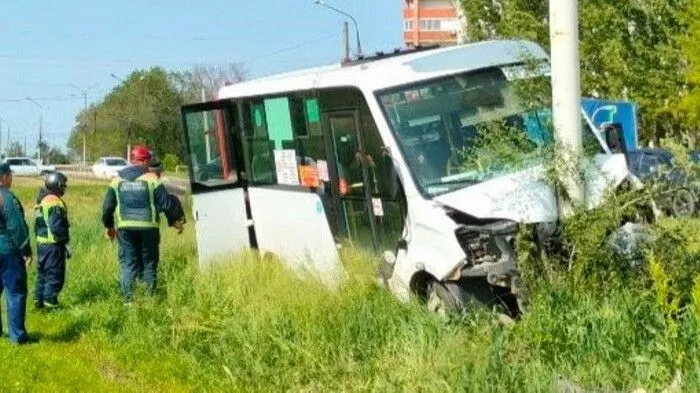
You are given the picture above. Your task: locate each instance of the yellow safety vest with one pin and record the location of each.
(44, 206)
(151, 182)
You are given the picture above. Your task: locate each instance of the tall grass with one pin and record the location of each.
(249, 325)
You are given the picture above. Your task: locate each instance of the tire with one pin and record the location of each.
(683, 203)
(440, 301)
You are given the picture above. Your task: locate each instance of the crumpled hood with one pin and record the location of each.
(132, 173)
(523, 196)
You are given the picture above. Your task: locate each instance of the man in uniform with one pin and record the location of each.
(52, 237)
(15, 256)
(137, 197)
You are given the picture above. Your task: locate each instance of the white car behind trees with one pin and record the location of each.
(108, 167)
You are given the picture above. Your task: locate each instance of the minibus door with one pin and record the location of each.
(215, 163)
(354, 219)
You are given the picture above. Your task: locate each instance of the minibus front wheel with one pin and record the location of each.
(440, 301)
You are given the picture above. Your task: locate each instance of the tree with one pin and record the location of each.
(143, 109)
(208, 77)
(629, 50)
(15, 150)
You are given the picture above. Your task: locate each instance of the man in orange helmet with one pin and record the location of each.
(137, 197)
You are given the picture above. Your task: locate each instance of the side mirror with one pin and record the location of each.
(615, 138)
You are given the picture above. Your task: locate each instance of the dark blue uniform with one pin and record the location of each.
(14, 246)
(51, 227)
(137, 198)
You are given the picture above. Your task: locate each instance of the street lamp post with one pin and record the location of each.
(85, 130)
(357, 30)
(41, 121)
(128, 131)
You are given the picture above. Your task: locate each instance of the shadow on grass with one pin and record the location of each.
(68, 333)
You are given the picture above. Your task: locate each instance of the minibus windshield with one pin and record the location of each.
(468, 128)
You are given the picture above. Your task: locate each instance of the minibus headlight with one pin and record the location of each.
(487, 243)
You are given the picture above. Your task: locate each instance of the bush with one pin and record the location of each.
(170, 162)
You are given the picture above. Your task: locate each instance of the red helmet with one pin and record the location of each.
(140, 153)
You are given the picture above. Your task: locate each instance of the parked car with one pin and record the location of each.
(678, 191)
(25, 166)
(108, 167)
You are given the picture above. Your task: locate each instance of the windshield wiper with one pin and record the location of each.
(451, 182)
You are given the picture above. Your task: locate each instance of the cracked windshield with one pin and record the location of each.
(470, 128)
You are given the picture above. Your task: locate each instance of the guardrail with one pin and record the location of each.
(75, 170)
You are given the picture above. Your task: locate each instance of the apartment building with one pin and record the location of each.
(429, 22)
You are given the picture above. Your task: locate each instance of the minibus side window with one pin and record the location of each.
(290, 122)
(209, 145)
(261, 164)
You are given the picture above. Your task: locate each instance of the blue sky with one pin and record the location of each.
(48, 45)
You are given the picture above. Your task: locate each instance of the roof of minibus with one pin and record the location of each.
(391, 71)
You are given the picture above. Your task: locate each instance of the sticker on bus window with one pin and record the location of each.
(309, 176)
(312, 112)
(322, 168)
(377, 207)
(286, 167)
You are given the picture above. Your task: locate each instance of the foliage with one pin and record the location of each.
(170, 162)
(52, 155)
(249, 325)
(15, 150)
(143, 109)
(206, 79)
(629, 50)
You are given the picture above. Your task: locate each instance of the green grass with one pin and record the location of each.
(248, 325)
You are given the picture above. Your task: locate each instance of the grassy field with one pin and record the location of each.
(252, 327)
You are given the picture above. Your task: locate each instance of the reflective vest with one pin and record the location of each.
(42, 211)
(136, 208)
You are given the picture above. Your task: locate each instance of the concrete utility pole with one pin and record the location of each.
(566, 98)
(85, 130)
(357, 30)
(41, 121)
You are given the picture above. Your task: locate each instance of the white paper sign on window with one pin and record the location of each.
(322, 167)
(377, 207)
(286, 167)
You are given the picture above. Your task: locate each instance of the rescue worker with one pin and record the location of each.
(137, 197)
(15, 257)
(156, 167)
(52, 236)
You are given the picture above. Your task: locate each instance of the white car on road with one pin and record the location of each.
(25, 166)
(108, 167)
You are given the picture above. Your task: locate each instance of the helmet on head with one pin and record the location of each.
(56, 182)
(140, 153)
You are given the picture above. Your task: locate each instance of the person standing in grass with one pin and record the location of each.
(52, 236)
(137, 197)
(15, 257)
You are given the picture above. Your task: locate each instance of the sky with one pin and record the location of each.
(50, 50)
